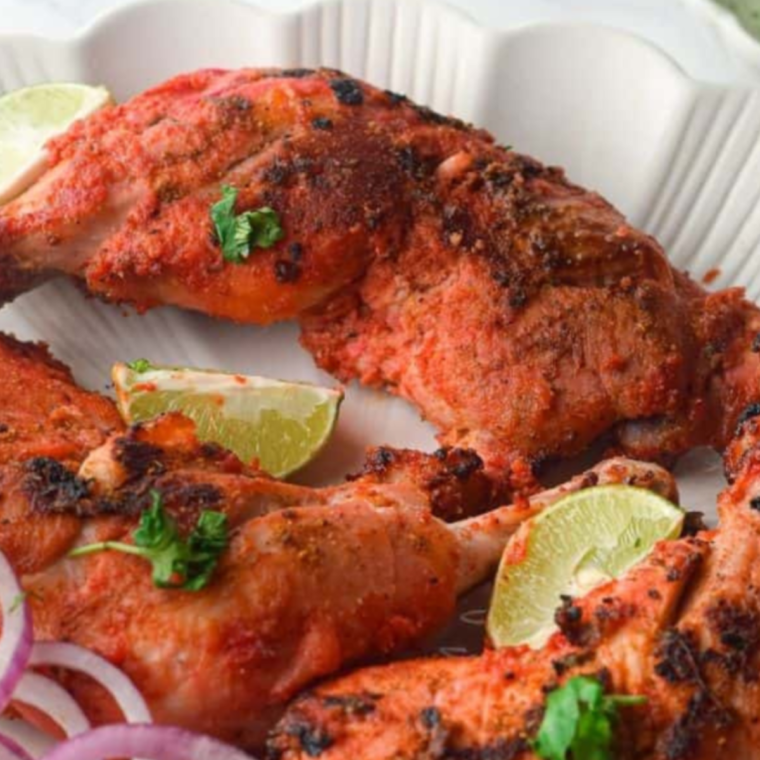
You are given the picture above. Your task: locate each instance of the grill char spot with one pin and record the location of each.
(348, 91)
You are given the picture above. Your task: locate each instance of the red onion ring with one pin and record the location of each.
(117, 683)
(48, 697)
(16, 638)
(140, 740)
(30, 738)
(11, 750)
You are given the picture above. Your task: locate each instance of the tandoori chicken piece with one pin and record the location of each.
(42, 410)
(521, 313)
(43, 416)
(312, 580)
(682, 629)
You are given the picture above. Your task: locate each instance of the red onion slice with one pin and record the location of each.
(54, 701)
(117, 683)
(12, 750)
(140, 740)
(16, 638)
(30, 738)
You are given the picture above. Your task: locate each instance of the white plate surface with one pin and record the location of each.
(680, 158)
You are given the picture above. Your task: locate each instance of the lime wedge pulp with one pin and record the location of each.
(29, 118)
(281, 425)
(585, 539)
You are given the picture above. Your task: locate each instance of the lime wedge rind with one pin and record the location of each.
(582, 541)
(281, 425)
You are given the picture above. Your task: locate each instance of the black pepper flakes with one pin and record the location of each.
(286, 271)
(756, 344)
(296, 251)
(518, 298)
(322, 122)
(430, 717)
(277, 172)
(347, 91)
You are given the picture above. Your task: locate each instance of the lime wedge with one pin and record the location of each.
(281, 425)
(584, 540)
(29, 118)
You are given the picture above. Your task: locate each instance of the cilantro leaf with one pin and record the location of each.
(207, 541)
(177, 563)
(239, 234)
(140, 365)
(579, 721)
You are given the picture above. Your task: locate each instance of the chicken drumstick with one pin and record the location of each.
(521, 313)
(681, 629)
(312, 580)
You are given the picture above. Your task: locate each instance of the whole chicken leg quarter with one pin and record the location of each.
(521, 313)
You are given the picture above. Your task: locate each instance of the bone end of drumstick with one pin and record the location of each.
(482, 539)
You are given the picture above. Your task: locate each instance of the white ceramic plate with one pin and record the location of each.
(743, 46)
(681, 158)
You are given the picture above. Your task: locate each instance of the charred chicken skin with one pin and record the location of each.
(313, 579)
(681, 629)
(521, 313)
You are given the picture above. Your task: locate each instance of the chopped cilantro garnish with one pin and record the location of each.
(579, 721)
(177, 563)
(140, 365)
(18, 600)
(239, 234)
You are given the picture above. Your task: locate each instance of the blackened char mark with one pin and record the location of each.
(348, 91)
(678, 657)
(461, 463)
(138, 458)
(569, 619)
(379, 461)
(313, 740)
(298, 73)
(683, 737)
(360, 704)
(737, 629)
(53, 489)
(750, 411)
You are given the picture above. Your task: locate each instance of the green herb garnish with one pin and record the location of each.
(177, 563)
(18, 600)
(140, 365)
(579, 721)
(239, 234)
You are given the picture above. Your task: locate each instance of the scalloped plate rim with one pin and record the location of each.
(115, 15)
(732, 29)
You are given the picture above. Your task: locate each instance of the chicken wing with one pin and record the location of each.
(521, 313)
(682, 629)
